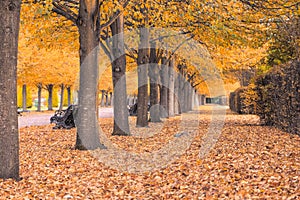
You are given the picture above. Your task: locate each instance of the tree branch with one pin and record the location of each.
(182, 43)
(114, 17)
(64, 11)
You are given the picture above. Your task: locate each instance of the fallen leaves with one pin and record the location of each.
(248, 162)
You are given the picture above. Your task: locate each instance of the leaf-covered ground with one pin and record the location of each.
(248, 161)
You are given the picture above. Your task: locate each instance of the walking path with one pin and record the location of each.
(43, 118)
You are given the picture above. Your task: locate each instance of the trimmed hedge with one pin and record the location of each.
(278, 100)
(274, 97)
(236, 100)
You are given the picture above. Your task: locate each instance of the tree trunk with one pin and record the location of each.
(153, 75)
(69, 95)
(164, 88)
(190, 98)
(111, 99)
(50, 96)
(171, 85)
(176, 94)
(180, 91)
(24, 98)
(88, 23)
(39, 103)
(9, 137)
(121, 124)
(142, 62)
(106, 99)
(102, 98)
(186, 97)
(62, 91)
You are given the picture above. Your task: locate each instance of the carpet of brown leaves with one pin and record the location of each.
(249, 161)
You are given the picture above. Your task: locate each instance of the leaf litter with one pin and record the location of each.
(248, 161)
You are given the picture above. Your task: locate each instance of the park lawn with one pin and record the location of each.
(249, 161)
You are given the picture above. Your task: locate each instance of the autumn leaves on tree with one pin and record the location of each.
(229, 30)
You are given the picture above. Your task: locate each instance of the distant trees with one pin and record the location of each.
(46, 55)
(9, 139)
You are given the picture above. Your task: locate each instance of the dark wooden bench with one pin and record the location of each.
(64, 119)
(132, 109)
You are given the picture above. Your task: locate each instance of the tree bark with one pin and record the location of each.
(102, 98)
(50, 96)
(88, 24)
(39, 103)
(9, 137)
(164, 88)
(62, 91)
(121, 123)
(180, 90)
(186, 97)
(111, 99)
(24, 98)
(176, 93)
(171, 85)
(69, 95)
(106, 99)
(142, 62)
(154, 75)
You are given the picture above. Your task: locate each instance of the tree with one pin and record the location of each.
(154, 90)
(164, 86)
(121, 124)
(171, 88)
(88, 23)
(39, 100)
(49, 88)
(89, 27)
(9, 139)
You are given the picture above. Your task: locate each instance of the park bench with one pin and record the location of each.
(132, 109)
(64, 119)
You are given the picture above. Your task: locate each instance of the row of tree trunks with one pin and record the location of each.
(106, 98)
(49, 88)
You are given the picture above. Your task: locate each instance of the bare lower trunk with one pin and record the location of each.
(164, 88)
(39, 103)
(186, 97)
(62, 91)
(121, 123)
(180, 92)
(9, 137)
(86, 118)
(24, 97)
(69, 95)
(102, 98)
(50, 96)
(142, 61)
(153, 75)
(176, 94)
(171, 85)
